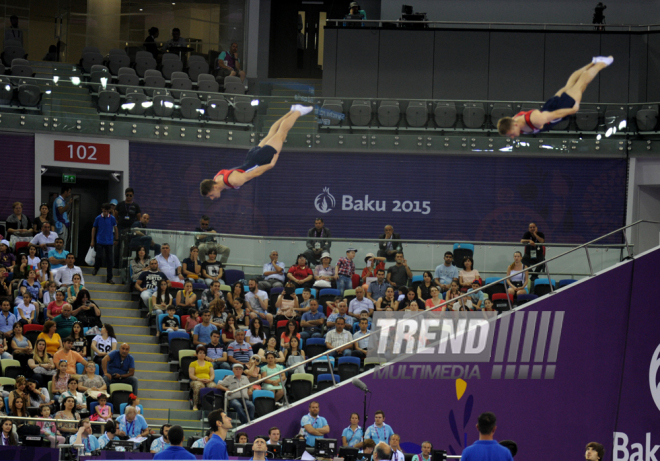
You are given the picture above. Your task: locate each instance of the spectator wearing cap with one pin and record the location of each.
(372, 265)
(104, 236)
(237, 399)
(113, 207)
(446, 272)
(392, 244)
(325, 275)
(300, 273)
(316, 248)
(345, 270)
(477, 296)
(355, 10)
(273, 272)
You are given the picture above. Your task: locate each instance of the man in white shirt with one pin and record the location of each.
(64, 276)
(13, 33)
(274, 273)
(169, 264)
(397, 454)
(274, 436)
(360, 304)
(44, 239)
(339, 337)
(257, 301)
(362, 344)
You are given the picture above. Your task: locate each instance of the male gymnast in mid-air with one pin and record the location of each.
(564, 103)
(259, 159)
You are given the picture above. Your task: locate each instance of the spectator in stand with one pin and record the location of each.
(45, 240)
(193, 320)
(186, 298)
(379, 431)
(410, 298)
(534, 253)
(294, 355)
(191, 267)
(212, 269)
(170, 322)
(316, 248)
(315, 426)
(345, 271)
(119, 367)
(139, 264)
(207, 242)
(399, 274)
(237, 292)
(393, 245)
(276, 382)
(287, 303)
(130, 424)
(67, 412)
(372, 265)
(453, 293)
(49, 429)
(477, 296)
(202, 332)
(239, 351)
(257, 301)
(425, 455)
(271, 346)
(61, 208)
(55, 307)
(362, 345)
(325, 275)
(255, 336)
(169, 264)
(229, 330)
(300, 273)
(33, 286)
(312, 321)
(397, 454)
(57, 256)
(46, 278)
(446, 272)
(360, 304)
(517, 284)
(7, 258)
(162, 442)
(70, 356)
(104, 237)
(6, 327)
(74, 289)
(424, 288)
(388, 302)
(201, 374)
(33, 259)
(26, 310)
(378, 288)
(468, 275)
(216, 353)
(20, 270)
(44, 217)
(50, 336)
(290, 332)
(5, 288)
(233, 382)
(341, 313)
(339, 337)
(72, 391)
(211, 294)
(9, 437)
(273, 272)
(3, 349)
(64, 276)
(21, 347)
(229, 64)
(19, 226)
(149, 280)
(128, 212)
(104, 344)
(141, 237)
(353, 434)
(65, 321)
(218, 315)
(177, 41)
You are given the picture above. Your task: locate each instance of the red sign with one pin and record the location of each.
(82, 152)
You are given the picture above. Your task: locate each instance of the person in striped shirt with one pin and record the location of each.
(239, 351)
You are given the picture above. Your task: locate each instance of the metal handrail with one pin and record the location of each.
(585, 245)
(485, 23)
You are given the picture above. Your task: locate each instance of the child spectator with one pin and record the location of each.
(49, 429)
(193, 320)
(170, 323)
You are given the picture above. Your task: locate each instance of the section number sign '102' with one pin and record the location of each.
(82, 152)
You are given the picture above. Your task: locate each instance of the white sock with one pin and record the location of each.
(606, 59)
(304, 110)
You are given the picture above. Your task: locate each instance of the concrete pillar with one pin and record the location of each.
(103, 24)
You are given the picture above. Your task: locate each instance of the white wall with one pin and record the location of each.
(644, 202)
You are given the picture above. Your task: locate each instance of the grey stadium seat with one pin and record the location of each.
(205, 77)
(108, 102)
(2, 69)
(13, 52)
(152, 73)
(196, 57)
(6, 91)
(360, 113)
(95, 80)
(179, 74)
(208, 85)
(614, 113)
(168, 67)
(647, 117)
(191, 106)
(143, 54)
(389, 113)
(180, 84)
(153, 82)
(444, 114)
(586, 119)
(91, 49)
(144, 63)
(217, 108)
(133, 104)
(163, 106)
(233, 85)
(500, 110)
(334, 105)
(22, 71)
(474, 115)
(417, 114)
(170, 57)
(197, 67)
(99, 68)
(20, 62)
(116, 62)
(90, 59)
(244, 110)
(158, 92)
(117, 52)
(127, 79)
(127, 70)
(133, 90)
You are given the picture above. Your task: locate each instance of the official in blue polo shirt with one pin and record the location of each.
(104, 237)
(486, 447)
(216, 448)
(175, 450)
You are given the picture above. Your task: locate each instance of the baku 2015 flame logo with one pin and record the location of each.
(324, 202)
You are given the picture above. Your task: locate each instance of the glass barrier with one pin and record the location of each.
(491, 259)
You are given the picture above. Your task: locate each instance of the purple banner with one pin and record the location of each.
(18, 164)
(31, 453)
(598, 380)
(464, 198)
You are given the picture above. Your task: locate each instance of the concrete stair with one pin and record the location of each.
(64, 99)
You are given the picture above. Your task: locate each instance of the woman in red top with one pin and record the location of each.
(290, 332)
(55, 307)
(301, 274)
(374, 264)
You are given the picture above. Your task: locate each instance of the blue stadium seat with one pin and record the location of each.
(232, 276)
(314, 347)
(300, 290)
(563, 283)
(324, 381)
(462, 250)
(523, 299)
(80, 369)
(92, 408)
(348, 367)
(264, 402)
(178, 341)
(220, 374)
(417, 278)
(122, 409)
(542, 286)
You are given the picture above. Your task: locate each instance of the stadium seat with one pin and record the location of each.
(80, 369)
(221, 374)
(144, 63)
(6, 91)
(2, 69)
(417, 114)
(327, 294)
(170, 66)
(159, 326)
(109, 101)
(10, 368)
(647, 117)
(195, 68)
(92, 406)
(302, 385)
(210, 86)
(371, 362)
(119, 394)
(191, 106)
(562, 125)
(324, 381)
(21, 70)
(474, 115)
(89, 59)
(525, 298)
(233, 85)
(360, 113)
(29, 95)
(542, 286)
(462, 250)
(348, 367)
(264, 403)
(565, 282)
(444, 114)
(8, 384)
(122, 409)
(117, 62)
(333, 105)
(499, 110)
(499, 288)
(320, 365)
(244, 111)
(177, 341)
(99, 68)
(186, 357)
(13, 52)
(136, 103)
(349, 295)
(127, 79)
(179, 84)
(126, 70)
(217, 108)
(389, 113)
(586, 119)
(170, 57)
(233, 275)
(32, 331)
(500, 302)
(163, 106)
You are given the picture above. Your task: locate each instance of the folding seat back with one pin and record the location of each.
(178, 84)
(117, 62)
(389, 113)
(208, 85)
(217, 108)
(191, 107)
(143, 54)
(233, 85)
(647, 116)
(89, 59)
(29, 95)
(444, 114)
(474, 115)
(170, 57)
(197, 67)
(586, 119)
(126, 70)
(417, 114)
(13, 52)
(244, 111)
(144, 63)
(500, 110)
(360, 113)
(136, 103)
(331, 112)
(127, 79)
(168, 67)
(163, 106)
(21, 70)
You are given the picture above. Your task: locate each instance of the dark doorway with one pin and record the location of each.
(296, 38)
(89, 195)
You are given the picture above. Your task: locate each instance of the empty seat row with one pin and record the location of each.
(26, 94)
(12, 52)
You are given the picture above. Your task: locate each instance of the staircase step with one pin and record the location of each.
(151, 365)
(144, 346)
(148, 357)
(105, 296)
(101, 277)
(102, 286)
(131, 312)
(184, 416)
(160, 384)
(116, 320)
(131, 330)
(168, 375)
(164, 403)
